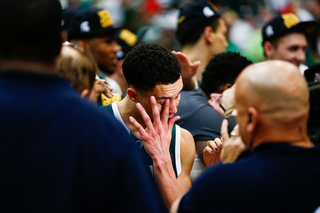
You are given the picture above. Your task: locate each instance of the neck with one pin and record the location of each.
(128, 108)
(30, 66)
(294, 136)
(198, 51)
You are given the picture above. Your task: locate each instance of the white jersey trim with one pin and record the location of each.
(116, 113)
(177, 149)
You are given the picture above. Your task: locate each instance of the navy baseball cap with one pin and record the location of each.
(197, 14)
(287, 23)
(88, 23)
(127, 40)
(67, 15)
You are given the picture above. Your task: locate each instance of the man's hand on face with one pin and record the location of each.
(156, 136)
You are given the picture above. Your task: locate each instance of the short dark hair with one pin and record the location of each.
(193, 37)
(30, 30)
(148, 65)
(222, 69)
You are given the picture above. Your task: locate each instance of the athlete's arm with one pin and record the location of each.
(187, 153)
(156, 139)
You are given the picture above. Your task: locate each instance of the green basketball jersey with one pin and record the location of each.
(174, 148)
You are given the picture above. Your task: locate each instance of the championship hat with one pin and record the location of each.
(127, 40)
(287, 23)
(88, 23)
(67, 15)
(195, 15)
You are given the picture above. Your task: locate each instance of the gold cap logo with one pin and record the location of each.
(105, 19)
(128, 37)
(181, 19)
(290, 20)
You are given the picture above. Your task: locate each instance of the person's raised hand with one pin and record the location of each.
(100, 86)
(211, 153)
(188, 69)
(156, 136)
(233, 145)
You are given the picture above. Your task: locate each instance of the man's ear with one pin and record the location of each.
(133, 94)
(84, 43)
(268, 49)
(208, 34)
(84, 93)
(252, 120)
(119, 67)
(227, 86)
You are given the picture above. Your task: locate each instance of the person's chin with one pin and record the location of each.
(108, 70)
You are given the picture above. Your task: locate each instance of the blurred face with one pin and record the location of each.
(163, 92)
(104, 50)
(220, 43)
(292, 48)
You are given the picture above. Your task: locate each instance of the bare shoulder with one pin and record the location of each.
(186, 137)
(187, 145)
(187, 153)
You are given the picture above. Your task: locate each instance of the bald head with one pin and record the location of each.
(275, 88)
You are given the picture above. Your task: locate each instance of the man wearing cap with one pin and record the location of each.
(284, 38)
(127, 40)
(201, 33)
(94, 29)
(280, 170)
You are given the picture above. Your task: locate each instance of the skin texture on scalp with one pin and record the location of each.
(276, 95)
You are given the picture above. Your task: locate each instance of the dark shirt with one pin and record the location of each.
(198, 116)
(275, 177)
(60, 153)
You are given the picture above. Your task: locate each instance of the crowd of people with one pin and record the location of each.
(95, 119)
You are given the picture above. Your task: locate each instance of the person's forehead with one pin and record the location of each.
(294, 38)
(104, 36)
(168, 90)
(222, 25)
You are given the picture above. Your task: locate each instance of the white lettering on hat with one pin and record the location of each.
(208, 12)
(269, 31)
(120, 54)
(84, 27)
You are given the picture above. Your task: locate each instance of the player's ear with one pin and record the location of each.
(84, 43)
(208, 34)
(133, 94)
(84, 93)
(268, 49)
(227, 86)
(252, 119)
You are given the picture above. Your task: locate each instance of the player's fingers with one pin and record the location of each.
(137, 125)
(145, 116)
(155, 110)
(218, 142)
(213, 146)
(224, 130)
(207, 150)
(172, 120)
(165, 112)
